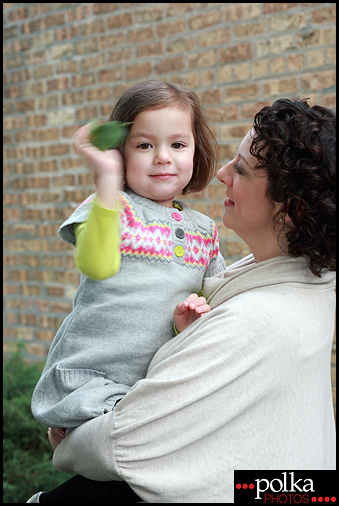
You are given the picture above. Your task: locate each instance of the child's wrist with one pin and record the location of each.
(108, 187)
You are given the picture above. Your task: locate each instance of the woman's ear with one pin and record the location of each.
(285, 217)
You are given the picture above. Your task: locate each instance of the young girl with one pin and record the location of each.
(139, 251)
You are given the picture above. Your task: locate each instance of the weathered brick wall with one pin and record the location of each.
(67, 63)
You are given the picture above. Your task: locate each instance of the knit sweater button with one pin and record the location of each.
(177, 216)
(179, 251)
(180, 233)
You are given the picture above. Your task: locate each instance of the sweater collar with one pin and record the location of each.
(246, 275)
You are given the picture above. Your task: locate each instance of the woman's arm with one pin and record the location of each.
(168, 436)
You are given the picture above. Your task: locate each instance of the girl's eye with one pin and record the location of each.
(177, 145)
(144, 145)
(238, 169)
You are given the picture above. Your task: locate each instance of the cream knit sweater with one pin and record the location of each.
(246, 386)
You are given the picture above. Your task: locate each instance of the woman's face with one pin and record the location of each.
(247, 209)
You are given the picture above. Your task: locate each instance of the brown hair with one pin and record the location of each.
(295, 144)
(154, 94)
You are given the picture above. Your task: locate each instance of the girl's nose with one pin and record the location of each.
(162, 156)
(224, 175)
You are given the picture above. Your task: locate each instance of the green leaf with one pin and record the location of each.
(109, 135)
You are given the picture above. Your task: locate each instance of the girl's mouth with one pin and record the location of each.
(163, 176)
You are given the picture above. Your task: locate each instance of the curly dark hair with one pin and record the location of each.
(296, 146)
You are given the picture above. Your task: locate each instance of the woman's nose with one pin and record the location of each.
(224, 175)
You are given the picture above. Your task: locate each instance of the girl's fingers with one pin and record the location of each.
(204, 308)
(190, 301)
(196, 302)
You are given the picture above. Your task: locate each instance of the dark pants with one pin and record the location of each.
(81, 490)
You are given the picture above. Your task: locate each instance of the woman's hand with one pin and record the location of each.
(107, 165)
(55, 436)
(190, 310)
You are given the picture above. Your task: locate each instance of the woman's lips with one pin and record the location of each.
(229, 202)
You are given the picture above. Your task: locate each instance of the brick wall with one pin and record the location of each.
(67, 63)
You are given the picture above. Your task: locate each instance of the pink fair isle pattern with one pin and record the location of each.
(201, 249)
(139, 240)
(154, 241)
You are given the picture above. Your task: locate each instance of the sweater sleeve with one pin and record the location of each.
(97, 253)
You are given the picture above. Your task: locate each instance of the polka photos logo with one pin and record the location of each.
(285, 487)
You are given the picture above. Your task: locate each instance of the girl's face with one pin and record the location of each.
(247, 209)
(158, 154)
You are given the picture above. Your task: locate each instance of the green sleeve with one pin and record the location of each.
(97, 253)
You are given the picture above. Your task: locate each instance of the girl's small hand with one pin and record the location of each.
(103, 162)
(55, 436)
(108, 166)
(190, 310)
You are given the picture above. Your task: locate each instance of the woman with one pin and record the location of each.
(246, 386)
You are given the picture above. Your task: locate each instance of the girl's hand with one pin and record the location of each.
(190, 310)
(107, 165)
(55, 436)
(103, 162)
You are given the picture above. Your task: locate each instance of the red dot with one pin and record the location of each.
(320, 499)
(251, 485)
(326, 499)
(333, 499)
(244, 485)
(314, 499)
(238, 485)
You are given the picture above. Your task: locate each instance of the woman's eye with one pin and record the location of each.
(144, 145)
(238, 169)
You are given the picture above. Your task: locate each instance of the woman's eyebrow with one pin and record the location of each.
(243, 158)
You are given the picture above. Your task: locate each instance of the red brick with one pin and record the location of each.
(102, 8)
(241, 11)
(268, 8)
(177, 9)
(151, 49)
(55, 291)
(36, 350)
(61, 83)
(203, 59)
(139, 71)
(236, 53)
(140, 35)
(319, 80)
(209, 18)
(21, 13)
(45, 335)
(57, 18)
(170, 65)
(324, 15)
(119, 21)
(96, 26)
(170, 28)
